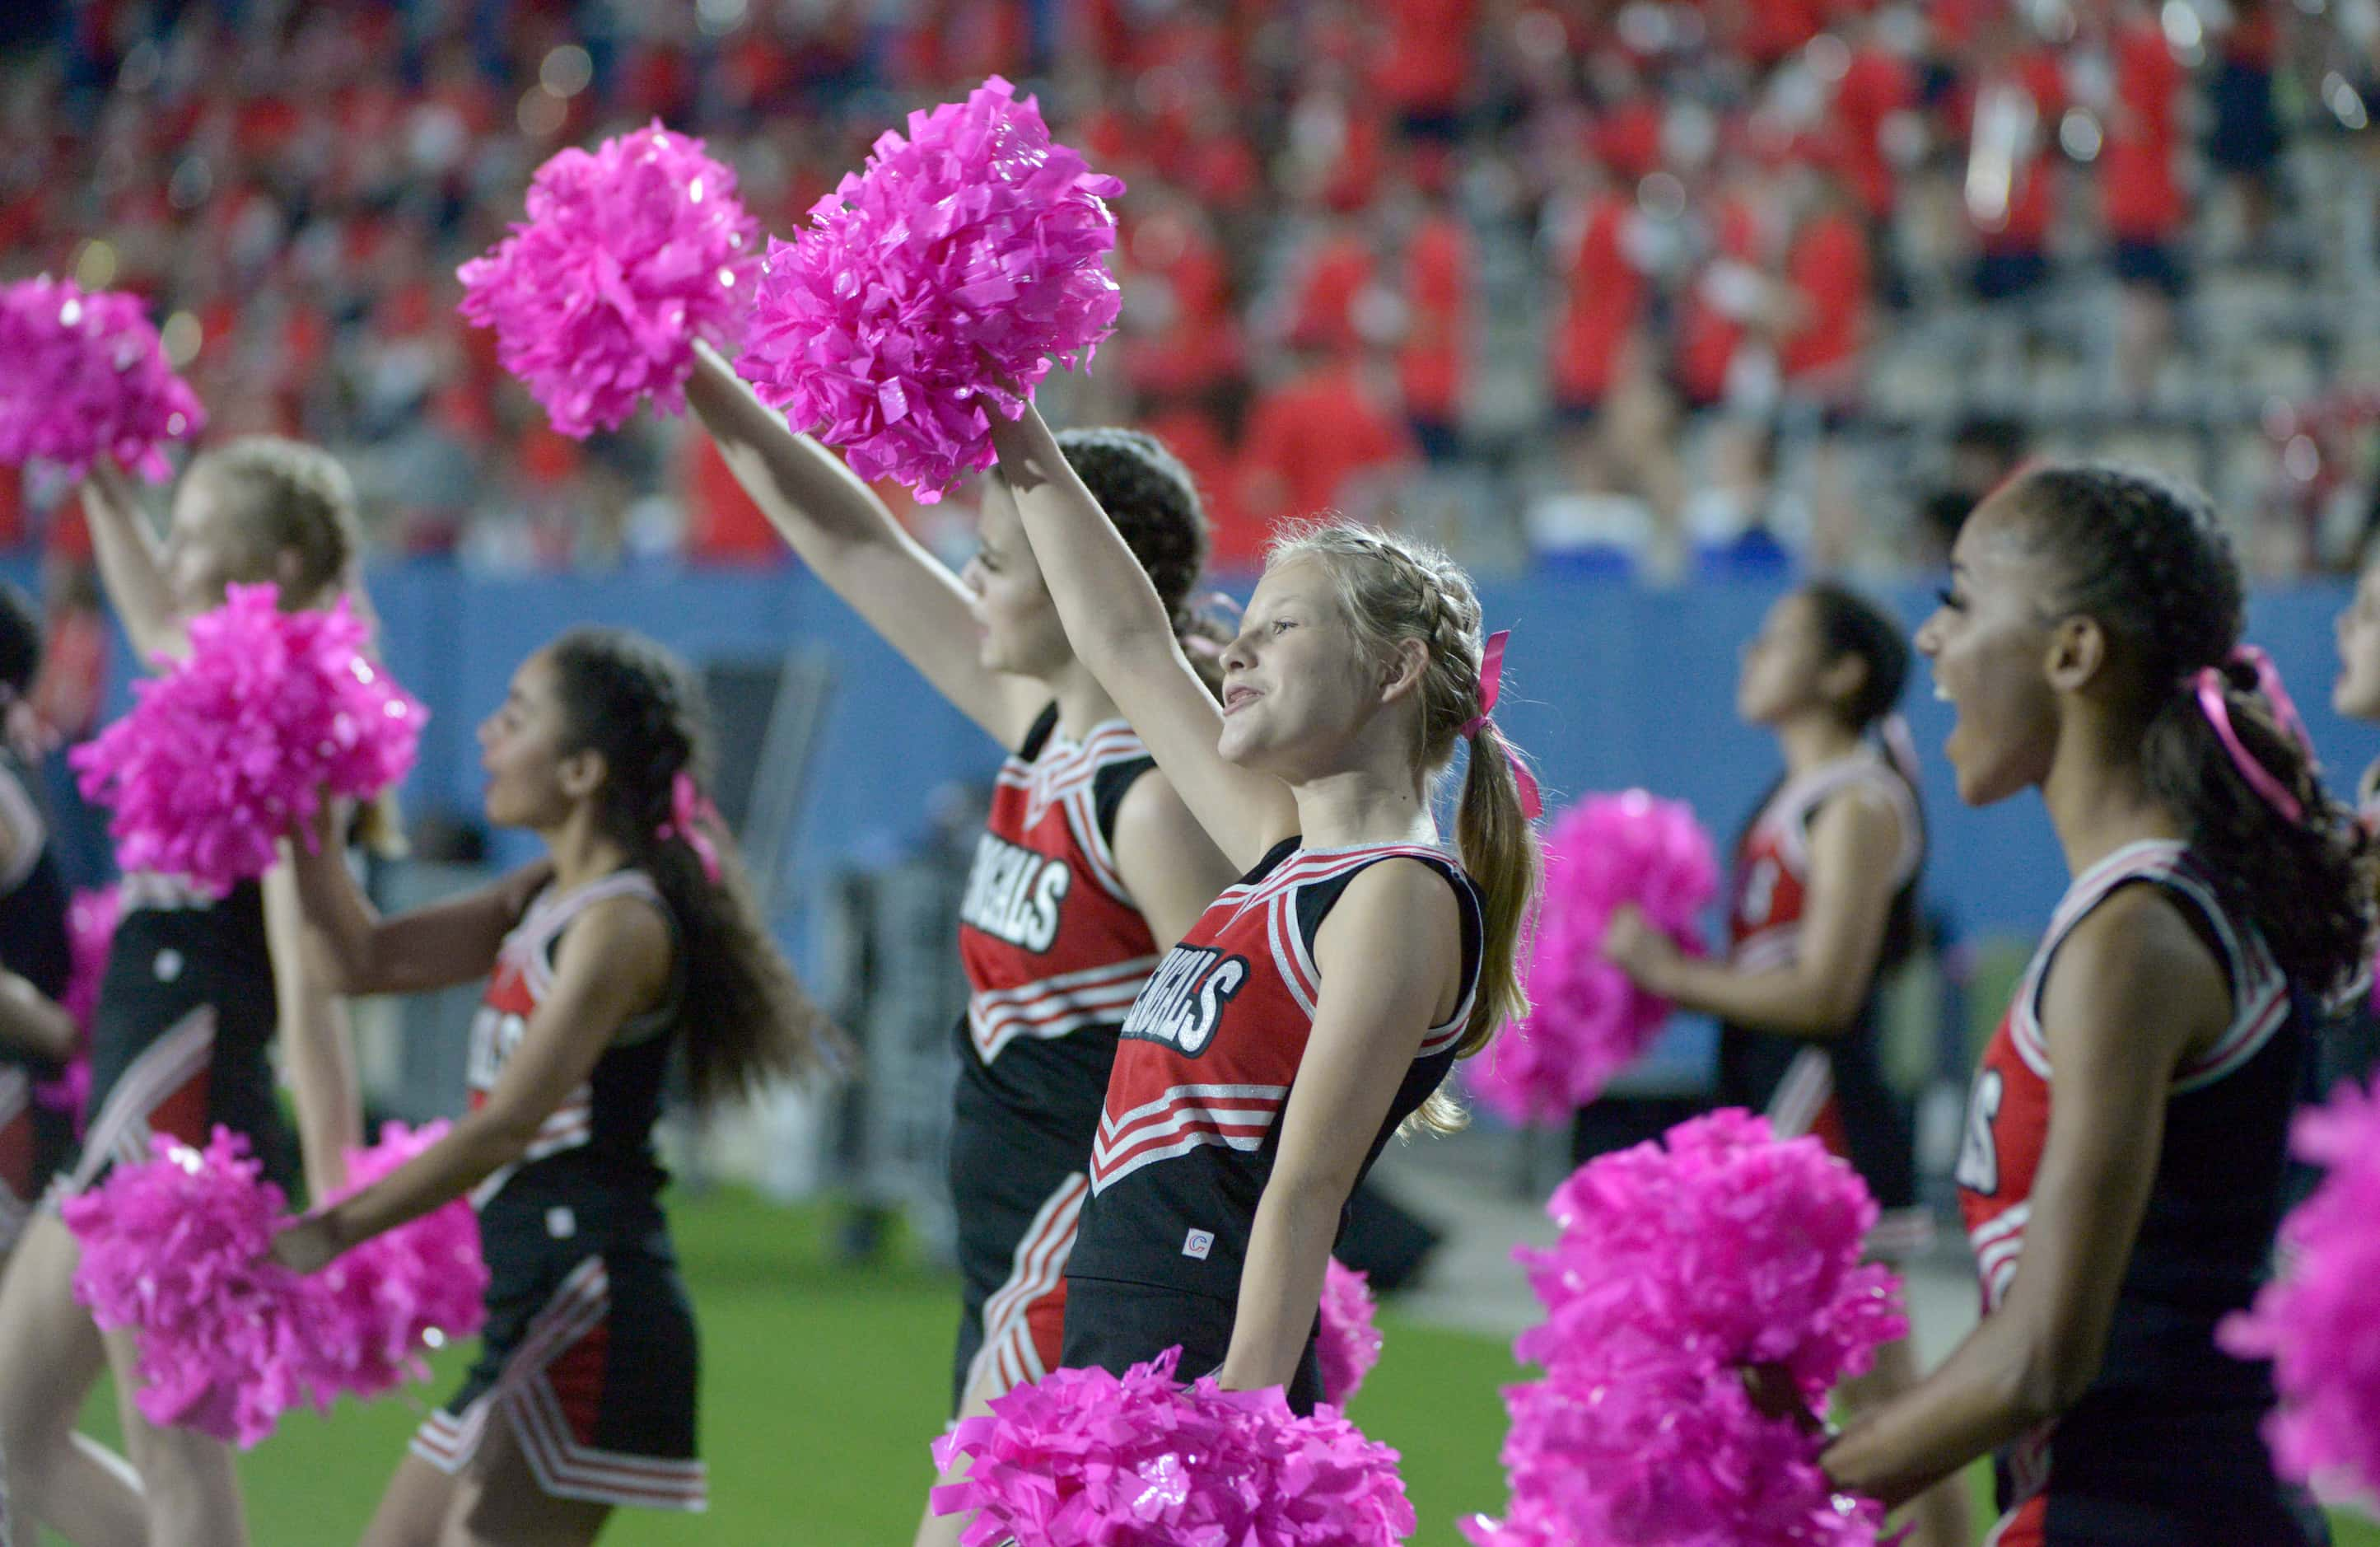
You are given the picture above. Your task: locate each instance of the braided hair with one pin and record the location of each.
(1154, 503)
(745, 1016)
(289, 497)
(2144, 557)
(1393, 588)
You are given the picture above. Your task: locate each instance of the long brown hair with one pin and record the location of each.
(746, 1017)
(1391, 590)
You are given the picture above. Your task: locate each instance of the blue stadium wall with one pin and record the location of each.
(1613, 685)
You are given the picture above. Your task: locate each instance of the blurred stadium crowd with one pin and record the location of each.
(1640, 284)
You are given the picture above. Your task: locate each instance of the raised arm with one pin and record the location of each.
(131, 564)
(845, 534)
(1120, 628)
(356, 951)
(1390, 961)
(2131, 993)
(614, 962)
(1843, 923)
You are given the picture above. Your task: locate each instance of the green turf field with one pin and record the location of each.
(822, 1386)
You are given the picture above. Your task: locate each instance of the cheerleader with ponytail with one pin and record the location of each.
(1319, 1004)
(633, 944)
(1823, 906)
(2120, 1172)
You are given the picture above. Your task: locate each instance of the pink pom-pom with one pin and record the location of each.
(955, 264)
(87, 378)
(1349, 1342)
(1679, 1265)
(1586, 1020)
(91, 927)
(2319, 1321)
(235, 744)
(1084, 1458)
(629, 256)
(413, 1287)
(176, 1248)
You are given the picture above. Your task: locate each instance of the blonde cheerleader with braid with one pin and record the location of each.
(1319, 1003)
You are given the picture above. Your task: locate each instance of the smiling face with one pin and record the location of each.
(1297, 688)
(1989, 645)
(522, 747)
(2357, 692)
(1022, 634)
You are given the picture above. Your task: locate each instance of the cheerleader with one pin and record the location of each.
(2121, 1165)
(187, 1014)
(1320, 1001)
(36, 1035)
(632, 944)
(1088, 862)
(1824, 905)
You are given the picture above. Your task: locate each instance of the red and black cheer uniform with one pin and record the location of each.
(2163, 1450)
(1204, 1068)
(1055, 950)
(589, 1348)
(36, 1141)
(1834, 1087)
(181, 1040)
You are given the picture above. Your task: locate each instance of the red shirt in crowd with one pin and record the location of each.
(1436, 296)
(2141, 196)
(1425, 64)
(1307, 438)
(1828, 268)
(1603, 299)
(1876, 86)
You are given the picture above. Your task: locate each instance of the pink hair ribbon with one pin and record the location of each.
(1491, 683)
(2211, 685)
(691, 817)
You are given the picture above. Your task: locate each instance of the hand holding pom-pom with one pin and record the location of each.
(1681, 1266)
(391, 1295)
(1349, 1341)
(629, 256)
(954, 266)
(1084, 1459)
(176, 1248)
(233, 747)
(1627, 877)
(88, 379)
(2319, 1321)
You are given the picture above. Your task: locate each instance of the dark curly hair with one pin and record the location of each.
(2144, 557)
(1154, 503)
(745, 1017)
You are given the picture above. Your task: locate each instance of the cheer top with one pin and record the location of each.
(1054, 947)
(1835, 1088)
(2206, 1237)
(1205, 1062)
(599, 1140)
